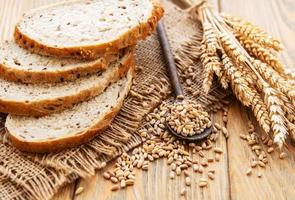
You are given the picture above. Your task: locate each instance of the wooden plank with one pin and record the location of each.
(278, 177)
(12, 10)
(65, 193)
(277, 18)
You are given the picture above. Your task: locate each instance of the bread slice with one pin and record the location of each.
(87, 28)
(20, 65)
(70, 127)
(42, 99)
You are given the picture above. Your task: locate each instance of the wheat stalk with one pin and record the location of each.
(248, 64)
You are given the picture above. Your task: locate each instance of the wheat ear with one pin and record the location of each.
(238, 82)
(276, 114)
(288, 108)
(212, 65)
(252, 32)
(274, 79)
(261, 53)
(248, 95)
(210, 38)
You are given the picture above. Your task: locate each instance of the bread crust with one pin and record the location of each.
(129, 38)
(74, 139)
(45, 107)
(25, 76)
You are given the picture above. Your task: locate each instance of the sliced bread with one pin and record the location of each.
(70, 127)
(18, 64)
(42, 99)
(87, 28)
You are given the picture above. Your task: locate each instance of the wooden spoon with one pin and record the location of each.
(176, 86)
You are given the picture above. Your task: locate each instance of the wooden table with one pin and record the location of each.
(278, 181)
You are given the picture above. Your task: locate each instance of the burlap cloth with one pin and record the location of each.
(30, 176)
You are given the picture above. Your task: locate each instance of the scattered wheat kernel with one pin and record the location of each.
(210, 159)
(203, 184)
(252, 142)
(79, 190)
(103, 164)
(114, 179)
(115, 187)
(259, 174)
(254, 164)
(211, 175)
(183, 166)
(145, 167)
(173, 166)
(188, 181)
(283, 155)
(129, 182)
(270, 150)
(123, 183)
(249, 171)
(217, 126)
(203, 180)
(201, 169)
(195, 167)
(261, 164)
(170, 160)
(218, 150)
(186, 172)
(172, 175)
(204, 163)
(178, 171)
(130, 176)
(183, 191)
(106, 175)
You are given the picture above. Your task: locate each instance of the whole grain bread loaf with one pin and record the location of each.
(87, 28)
(46, 98)
(70, 127)
(20, 65)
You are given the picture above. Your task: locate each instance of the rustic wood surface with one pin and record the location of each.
(278, 179)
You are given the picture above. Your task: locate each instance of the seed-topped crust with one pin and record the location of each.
(94, 50)
(43, 99)
(100, 123)
(19, 65)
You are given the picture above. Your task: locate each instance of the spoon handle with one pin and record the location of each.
(171, 67)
